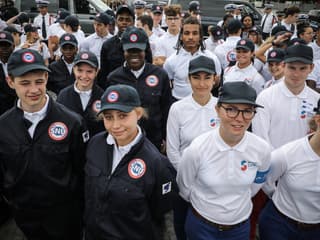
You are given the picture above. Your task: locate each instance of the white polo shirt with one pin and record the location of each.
(225, 51)
(296, 167)
(315, 74)
(93, 43)
(316, 50)
(285, 116)
(188, 119)
(218, 179)
(55, 29)
(165, 46)
(177, 68)
(158, 31)
(248, 75)
(211, 45)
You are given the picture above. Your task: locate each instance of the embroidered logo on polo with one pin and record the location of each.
(307, 110)
(58, 131)
(152, 81)
(133, 37)
(96, 106)
(214, 122)
(244, 165)
(113, 96)
(231, 56)
(136, 168)
(28, 57)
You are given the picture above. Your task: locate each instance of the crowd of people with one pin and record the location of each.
(105, 135)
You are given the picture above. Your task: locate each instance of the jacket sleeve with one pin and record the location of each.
(166, 101)
(165, 190)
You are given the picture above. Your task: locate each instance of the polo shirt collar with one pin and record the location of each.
(223, 146)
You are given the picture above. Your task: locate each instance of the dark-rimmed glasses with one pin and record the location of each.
(233, 112)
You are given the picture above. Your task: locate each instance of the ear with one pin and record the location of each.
(10, 82)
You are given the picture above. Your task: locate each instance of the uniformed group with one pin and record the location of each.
(107, 136)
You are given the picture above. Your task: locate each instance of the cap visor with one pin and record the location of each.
(201, 69)
(157, 11)
(92, 64)
(243, 47)
(242, 101)
(298, 59)
(27, 68)
(141, 46)
(6, 40)
(121, 108)
(274, 60)
(71, 43)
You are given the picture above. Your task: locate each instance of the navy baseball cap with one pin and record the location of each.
(25, 60)
(6, 36)
(120, 97)
(245, 43)
(134, 37)
(156, 9)
(68, 38)
(237, 92)
(30, 28)
(202, 64)
(299, 53)
(276, 55)
(125, 8)
(216, 32)
(102, 18)
(61, 15)
(86, 57)
(12, 29)
(194, 6)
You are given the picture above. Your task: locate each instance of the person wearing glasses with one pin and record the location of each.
(223, 169)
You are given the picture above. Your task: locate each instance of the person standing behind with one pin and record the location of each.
(275, 63)
(41, 155)
(151, 82)
(43, 20)
(156, 14)
(268, 20)
(61, 74)
(72, 25)
(188, 118)
(57, 28)
(189, 46)
(145, 22)
(290, 19)
(139, 8)
(293, 212)
(281, 123)
(93, 43)
(129, 185)
(215, 38)
(83, 97)
(219, 179)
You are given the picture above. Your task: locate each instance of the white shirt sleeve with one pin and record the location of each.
(168, 68)
(278, 166)
(84, 46)
(187, 170)
(173, 137)
(258, 83)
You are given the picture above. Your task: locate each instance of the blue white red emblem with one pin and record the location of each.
(136, 168)
(244, 165)
(84, 56)
(273, 54)
(28, 57)
(58, 131)
(113, 96)
(214, 122)
(152, 81)
(133, 37)
(231, 56)
(96, 106)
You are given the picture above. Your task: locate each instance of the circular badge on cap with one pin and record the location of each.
(152, 81)
(96, 106)
(67, 38)
(133, 37)
(2, 35)
(28, 57)
(58, 131)
(218, 33)
(98, 15)
(243, 42)
(273, 54)
(136, 168)
(112, 96)
(84, 56)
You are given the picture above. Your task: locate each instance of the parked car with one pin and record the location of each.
(212, 11)
(83, 9)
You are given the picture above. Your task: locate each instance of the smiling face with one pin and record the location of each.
(134, 58)
(85, 75)
(243, 57)
(201, 84)
(30, 89)
(121, 125)
(276, 69)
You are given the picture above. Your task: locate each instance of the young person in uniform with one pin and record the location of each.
(129, 184)
(281, 123)
(84, 95)
(275, 60)
(151, 82)
(61, 74)
(222, 169)
(293, 212)
(188, 118)
(41, 155)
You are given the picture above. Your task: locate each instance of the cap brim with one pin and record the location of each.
(71, 43)
(92, 64)
(298, 59)
(118, 107)
(157, 11)
(244, 47)
(274, 60)
(240, 101)
(141, 46)
(6, 40)
(201, 69)
(27, 68)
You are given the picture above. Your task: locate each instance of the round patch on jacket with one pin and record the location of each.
(58, 131)
(152, 81)
(136, 168)
(96, 106)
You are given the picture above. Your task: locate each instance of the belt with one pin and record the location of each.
(221, 227)
(297, 224)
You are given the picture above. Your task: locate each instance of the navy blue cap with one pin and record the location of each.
(68, 38)
(134, 37)
(245, 43)
(276, 55)
(86, 57)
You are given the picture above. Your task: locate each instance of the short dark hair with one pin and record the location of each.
(301, 28)
(291, 11)
(173, 10)
(146, 20)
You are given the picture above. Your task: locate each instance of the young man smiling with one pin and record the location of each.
(41, 155)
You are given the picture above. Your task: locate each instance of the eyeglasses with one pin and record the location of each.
(233, 112)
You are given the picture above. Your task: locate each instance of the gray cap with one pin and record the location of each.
(202, 64)
(299, 53)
